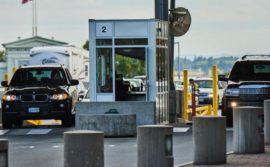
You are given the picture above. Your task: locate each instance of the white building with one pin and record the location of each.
(17, 52)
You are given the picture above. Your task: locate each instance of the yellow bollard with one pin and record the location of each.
(185, 92)
(215, 90)
(14, 70)
(6, 77)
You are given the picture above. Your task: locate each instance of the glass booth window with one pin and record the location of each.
(104, 70)
(104, 42)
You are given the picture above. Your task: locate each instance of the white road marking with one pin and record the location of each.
(176, 130)
(31, 147)
(229, 129)
(110, 145)
(2, 132)
(56, 146)
(38, 131)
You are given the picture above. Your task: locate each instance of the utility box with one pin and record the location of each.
(129, 62)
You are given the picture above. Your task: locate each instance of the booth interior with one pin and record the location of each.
(130, 77)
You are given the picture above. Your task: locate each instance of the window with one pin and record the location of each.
(38, 77)
(104, 70)
(104, 42)
(135, 41)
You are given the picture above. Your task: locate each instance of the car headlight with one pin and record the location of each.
(61, 96)
(9, 98)
(232, 92)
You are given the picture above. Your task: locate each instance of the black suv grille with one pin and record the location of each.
(254, 94)
(34, 98)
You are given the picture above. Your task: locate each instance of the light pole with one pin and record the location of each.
(178, 61)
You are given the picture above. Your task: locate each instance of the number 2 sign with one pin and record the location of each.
(103, 29)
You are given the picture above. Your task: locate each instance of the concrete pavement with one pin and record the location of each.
(248, 160)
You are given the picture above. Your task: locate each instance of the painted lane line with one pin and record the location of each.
(56, 146)
(176, 130)
(39, 131)
(31, 147)
(2, 132)
(110, 145)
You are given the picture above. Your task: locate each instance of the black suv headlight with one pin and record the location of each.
(60, 96)
(9, 98)
(232, 92)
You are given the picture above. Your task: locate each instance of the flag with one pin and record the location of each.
(25, 1)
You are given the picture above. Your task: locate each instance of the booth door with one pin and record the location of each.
(131, 74)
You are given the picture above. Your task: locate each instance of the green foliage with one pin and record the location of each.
(129, 67)
(86, 45)
(205, 64)
(2, 56)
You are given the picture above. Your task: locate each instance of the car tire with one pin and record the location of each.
(67, 121)
(18, 123)
(6, 123)
(229, 118)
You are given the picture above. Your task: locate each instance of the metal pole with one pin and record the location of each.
(171, 57)
(179, 65)
(178, 61)
(35, 17)
(161, 9)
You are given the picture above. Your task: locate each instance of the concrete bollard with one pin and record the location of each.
(209, 138)
(155, 146)
(267, 121)
(3, 152)
(84, 148)
(248, 136)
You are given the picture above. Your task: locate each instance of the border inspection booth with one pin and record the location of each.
(129, 69)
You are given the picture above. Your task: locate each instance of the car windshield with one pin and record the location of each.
(250, 71)
(204, 83)
(38, 77)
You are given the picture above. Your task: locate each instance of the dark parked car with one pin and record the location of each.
(39, 92)
(248, 84)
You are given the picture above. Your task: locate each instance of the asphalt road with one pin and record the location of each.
(43, 147)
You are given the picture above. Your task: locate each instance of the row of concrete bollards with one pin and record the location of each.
(86, 148)
(251, 131)
(155, 144)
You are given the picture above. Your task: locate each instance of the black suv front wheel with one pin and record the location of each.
(6, 123)
(67, 120)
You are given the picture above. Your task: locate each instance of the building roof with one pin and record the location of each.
(32, 42)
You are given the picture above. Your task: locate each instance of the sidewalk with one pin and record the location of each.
(250, 160)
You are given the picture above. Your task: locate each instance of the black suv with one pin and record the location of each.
(39, 92)
(248, 84)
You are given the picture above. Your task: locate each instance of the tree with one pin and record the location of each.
(2, 56)
(86, 45)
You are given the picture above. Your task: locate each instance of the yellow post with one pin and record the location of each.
(185, 92)
(215, 89)
(13, 70)
(6, 77)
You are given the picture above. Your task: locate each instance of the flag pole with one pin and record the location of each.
(35, 17)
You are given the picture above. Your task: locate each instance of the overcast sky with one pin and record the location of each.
(233, 27)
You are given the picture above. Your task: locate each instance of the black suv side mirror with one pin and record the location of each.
(4, 83)
(223, 78)
(74, 82)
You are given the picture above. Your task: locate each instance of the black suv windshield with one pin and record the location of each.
(250, 71)
(38, 77)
